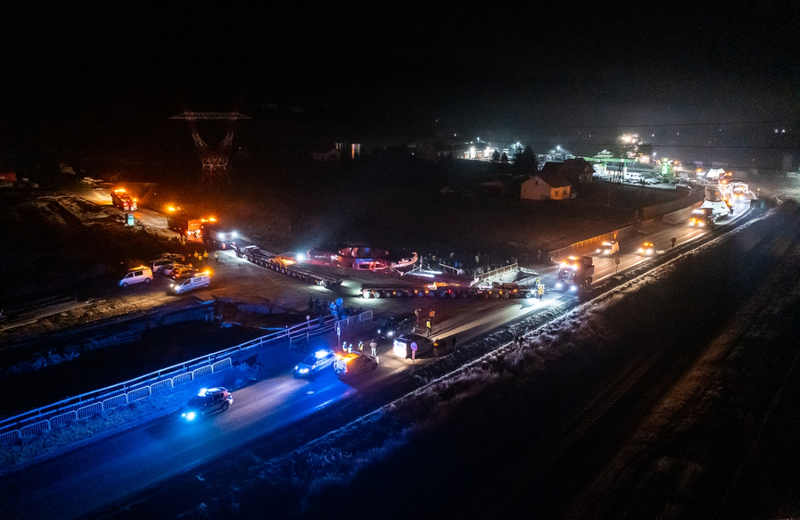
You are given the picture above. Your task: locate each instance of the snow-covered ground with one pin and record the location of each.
(449, 448)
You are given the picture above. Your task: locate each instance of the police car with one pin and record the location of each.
(207, 401)
(313, 364)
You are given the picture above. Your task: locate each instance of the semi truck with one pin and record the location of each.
(123, 200)
(702, 217)
(718, 208)
(185, 225)
(216, 237)
(575, 273)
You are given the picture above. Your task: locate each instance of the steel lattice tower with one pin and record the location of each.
(215, 160)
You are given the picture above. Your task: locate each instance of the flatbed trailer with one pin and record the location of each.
(445, 290)
(269, 260)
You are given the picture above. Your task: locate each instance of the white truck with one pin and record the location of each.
(719, 208)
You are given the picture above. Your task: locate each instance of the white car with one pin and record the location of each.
(608, 247)
(137, 275)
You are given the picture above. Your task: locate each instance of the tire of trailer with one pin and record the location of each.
(528, 295)
(506, 295)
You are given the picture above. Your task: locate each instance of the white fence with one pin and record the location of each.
(36, 422)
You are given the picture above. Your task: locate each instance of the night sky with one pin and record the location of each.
(84, 78)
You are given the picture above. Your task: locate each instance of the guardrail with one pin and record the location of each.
(88, 404)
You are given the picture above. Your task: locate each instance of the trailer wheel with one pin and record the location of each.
(528, 295)
(452, 294)
(495, 295)
(506, 295)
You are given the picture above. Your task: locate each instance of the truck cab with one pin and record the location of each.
(702, 217)
(575, 273)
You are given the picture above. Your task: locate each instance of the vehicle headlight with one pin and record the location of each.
(303, 371)
(190, 416)
(573, 288)
(559, 285)
(390, 333)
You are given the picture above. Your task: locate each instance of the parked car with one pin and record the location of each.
(184, 271)
(169, 269)
(137, 275)
(349, 364)
(207, 401)
(395, 325)
(315, 363)
(177, 257)
(160, 264)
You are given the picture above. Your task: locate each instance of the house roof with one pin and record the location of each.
(555, 180)
(551, 167)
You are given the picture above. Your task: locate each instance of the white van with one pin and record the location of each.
(137, 275)
(190, 284)
(633, 177)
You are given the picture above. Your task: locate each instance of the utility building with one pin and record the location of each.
(546, 187)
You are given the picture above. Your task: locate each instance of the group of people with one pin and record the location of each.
(316, 307)
(373, 345)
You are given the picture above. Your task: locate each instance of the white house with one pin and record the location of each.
(550, 187)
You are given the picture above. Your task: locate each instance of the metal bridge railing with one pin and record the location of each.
(86, 405)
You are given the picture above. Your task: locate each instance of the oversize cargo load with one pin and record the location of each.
(123, 200)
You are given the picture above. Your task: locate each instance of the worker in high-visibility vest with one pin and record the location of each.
(428, 325)
(541, 290)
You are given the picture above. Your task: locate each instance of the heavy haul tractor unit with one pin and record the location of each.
(575, 273)
(123, 200)
(702, 218)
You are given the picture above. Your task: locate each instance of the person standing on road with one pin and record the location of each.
(428, 325)
(205, 256)
(373, 345)
(360, 347)
(310, 305)
(350, 348)
(541, 290)
(216, 257)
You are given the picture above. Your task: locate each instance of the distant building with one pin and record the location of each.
(546, 187)
(432, 151)
(577, 171)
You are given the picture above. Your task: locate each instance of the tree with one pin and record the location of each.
(496, 156)
(525, 160)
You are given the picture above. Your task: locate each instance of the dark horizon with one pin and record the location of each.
(93, 79)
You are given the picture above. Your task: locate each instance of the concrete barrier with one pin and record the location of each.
(682, 215)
